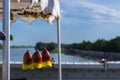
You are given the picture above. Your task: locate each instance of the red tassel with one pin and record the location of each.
(27, 60)
(46, 58)
(37, 59)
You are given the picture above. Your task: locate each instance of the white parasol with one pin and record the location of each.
(27, 10)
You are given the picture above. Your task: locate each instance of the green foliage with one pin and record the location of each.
(50, 46)
(86, 45)
(40, 46)
(112, 45)
(56, 50)
(11, 16)
(11, 37)
(15, 46)
(100, 45)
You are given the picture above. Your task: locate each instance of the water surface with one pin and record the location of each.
(16, 54)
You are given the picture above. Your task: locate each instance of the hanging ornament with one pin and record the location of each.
(37, 59)
(27, 60)
(2, 36)
(46, 58)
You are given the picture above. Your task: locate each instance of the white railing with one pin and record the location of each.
(84, 63)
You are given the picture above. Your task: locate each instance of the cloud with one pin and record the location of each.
(101, 9)
(98, 13)
(102, 13)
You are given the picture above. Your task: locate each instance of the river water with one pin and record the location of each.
(16, 55)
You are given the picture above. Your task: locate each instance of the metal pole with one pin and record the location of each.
(6, 43)
(59, 49)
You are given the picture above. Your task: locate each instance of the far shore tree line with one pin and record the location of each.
(112, 45)
(18, 46)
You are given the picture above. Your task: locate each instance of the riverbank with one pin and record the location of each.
(95, 55)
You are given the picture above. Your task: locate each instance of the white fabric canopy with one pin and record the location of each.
(48, 10)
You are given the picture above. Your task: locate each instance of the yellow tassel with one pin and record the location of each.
(26, 67)
(37, 65)
(47, 64)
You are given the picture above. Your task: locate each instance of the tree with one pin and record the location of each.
(40, 46)
(51, 46)
(85, 45)
(99, 45)
(114, 44)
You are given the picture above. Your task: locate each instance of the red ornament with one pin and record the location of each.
(37, 59)
(46, 58)
(27, 60)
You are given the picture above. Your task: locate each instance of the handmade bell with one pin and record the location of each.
(37, 59)
(46, 58)
(27, 60)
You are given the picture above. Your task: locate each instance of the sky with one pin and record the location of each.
(80, 20)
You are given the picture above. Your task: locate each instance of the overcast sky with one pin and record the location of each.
(80, 20)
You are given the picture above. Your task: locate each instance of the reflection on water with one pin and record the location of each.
(16, 54)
